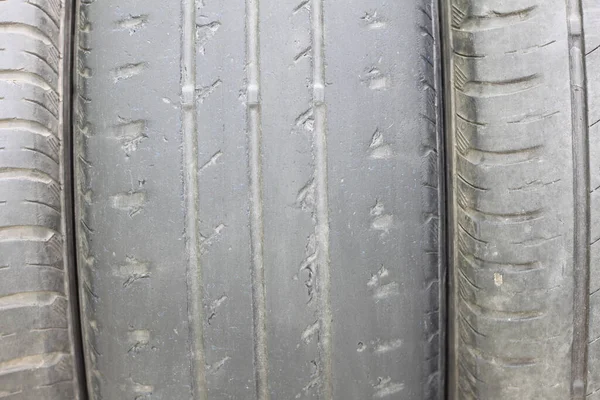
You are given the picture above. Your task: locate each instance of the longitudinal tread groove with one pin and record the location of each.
(587, 62)
(193, 241)
(325, 373)
(36, 286)
(261, 363)
(581, 190)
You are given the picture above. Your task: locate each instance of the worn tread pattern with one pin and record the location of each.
(514, 212)
(236, 225)
(38, 329)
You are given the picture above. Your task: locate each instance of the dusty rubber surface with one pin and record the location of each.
(520, 204)
(591, 12)
(39, 354)
(258, 199)
(261, 208)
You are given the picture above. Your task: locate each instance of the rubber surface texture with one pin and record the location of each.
(258, 199)
(591, 12)
(520, 220)
(38, 325)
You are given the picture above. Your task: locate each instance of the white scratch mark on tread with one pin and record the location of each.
(388, 290)
(214, 305)
(387, 346)
(133, 270)
(4, 393)
(213, 369)
(309, 332)
(306, 197)
(205, 32)
(381, 222)
(253, 89)
(140, 388)
(132, 22)
(305, 121)
(138, 340)
(128, 71)
(373, 21)
(132, 202)
(375, 79)
(213, 161)
(34, 233)
(130, 134)
(218, 302)
(385, 388)
(206, 241)
(34, 362)
(323, 283)
(190, 154)
(378, 149)
(204, 92)
(380, 289)
(29, 299)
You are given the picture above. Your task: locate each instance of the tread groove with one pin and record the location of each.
(261, 363)
(322, 202)
(27, 125)
(26, 30)
(44, 60)
(581, 190)
(46, 360)
(46, 13)
(495, 19)
(31, 78)
(193, 240)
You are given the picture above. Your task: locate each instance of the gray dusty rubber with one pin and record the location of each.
(257, 199)
(518, 148)
(591, 12)
(39, 351)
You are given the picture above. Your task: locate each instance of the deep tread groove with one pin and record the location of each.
(581, 194)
